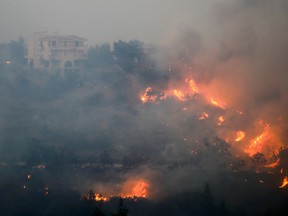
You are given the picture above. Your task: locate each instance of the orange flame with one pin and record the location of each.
(99, 197)
(217, 104)
(203, 116)
(220, 120)
(179, 94)
(148, 96)
(239, 136)
(258, 143)
(140, 189)
(192, 85)
(131, 189)
(284, 182)
(273, 165)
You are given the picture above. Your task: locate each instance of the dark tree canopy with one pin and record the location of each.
(128, 54)
(17, 51)
(99, 56)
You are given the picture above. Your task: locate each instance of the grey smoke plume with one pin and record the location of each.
(241, 59)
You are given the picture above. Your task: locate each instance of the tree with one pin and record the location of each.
(222, 211)
(17, 51)
(98, 212)
(99, 56)
(128, 54)
(91, 195)
(208, 201)
(122, 210)
(258, 159)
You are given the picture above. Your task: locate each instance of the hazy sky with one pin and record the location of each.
(103, 20)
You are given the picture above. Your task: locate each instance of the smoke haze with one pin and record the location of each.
(107, 117)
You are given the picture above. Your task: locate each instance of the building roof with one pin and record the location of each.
(63, 38)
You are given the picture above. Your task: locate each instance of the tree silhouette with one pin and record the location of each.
(98, 212)
(17, 51)
(222, 210)
(122, 210)
(258, 159)
(128, 54)
(99, 56)
(208, 201)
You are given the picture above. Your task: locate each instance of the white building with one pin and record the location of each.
(55, 52)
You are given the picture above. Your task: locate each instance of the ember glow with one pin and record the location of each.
(180, 95)
(216, 103)
(99, 197)
(274, 164)
(192, 86)
(148, 96)
(220, 120)
(203, 116)
(284, 182)
(239, 136)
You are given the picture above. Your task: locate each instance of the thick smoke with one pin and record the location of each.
(97, 121)
(242, 61)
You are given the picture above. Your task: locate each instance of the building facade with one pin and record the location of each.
(55, 52)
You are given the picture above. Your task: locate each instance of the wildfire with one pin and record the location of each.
(192, 85)
(258, 143)
(266, 142)
(220, 120)
(217, 104)
(131, 189)
(182, 93)
(273, 165)
(203, 116)
(179, 94)
(139, 190)
(99, 197)
(186, 92)
(148, 96)
(239, 136)
(135, 188)
(284, 182)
